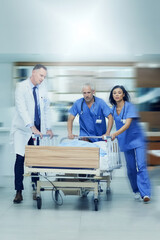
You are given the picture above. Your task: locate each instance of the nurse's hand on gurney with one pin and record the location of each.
(72, 136)
(113, 136)
(122, 129)
(50, 133)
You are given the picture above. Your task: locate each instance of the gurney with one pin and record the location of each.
(75, 170)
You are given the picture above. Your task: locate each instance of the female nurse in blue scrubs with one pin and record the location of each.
(131, 141)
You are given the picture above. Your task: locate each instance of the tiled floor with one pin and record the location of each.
(119, 217)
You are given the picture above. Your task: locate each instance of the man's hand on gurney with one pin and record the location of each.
(72, 136)
(104, 137)
(50, 133)
(36, 131)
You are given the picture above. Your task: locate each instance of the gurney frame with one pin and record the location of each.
(76, 170)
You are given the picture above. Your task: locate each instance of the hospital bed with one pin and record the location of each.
(73, 170)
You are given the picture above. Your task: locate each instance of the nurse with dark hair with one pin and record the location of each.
(131, 141)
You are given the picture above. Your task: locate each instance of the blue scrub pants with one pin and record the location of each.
(137, 171)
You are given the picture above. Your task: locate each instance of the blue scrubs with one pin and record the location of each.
(91, 120)
(133, 143)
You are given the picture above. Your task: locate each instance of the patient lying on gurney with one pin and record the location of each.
(105, 164)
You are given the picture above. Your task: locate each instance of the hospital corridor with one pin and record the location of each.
(119, 216)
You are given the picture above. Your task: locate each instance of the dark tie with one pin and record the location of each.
(36, 116)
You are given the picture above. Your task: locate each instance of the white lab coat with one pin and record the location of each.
(24, 114)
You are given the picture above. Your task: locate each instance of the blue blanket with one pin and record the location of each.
(80, 143)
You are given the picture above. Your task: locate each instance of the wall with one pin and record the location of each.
(6, 110)
(148, 78)
(80, 30)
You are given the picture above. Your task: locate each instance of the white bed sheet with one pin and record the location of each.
(107, 162)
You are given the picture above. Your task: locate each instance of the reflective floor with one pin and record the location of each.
(119, 216)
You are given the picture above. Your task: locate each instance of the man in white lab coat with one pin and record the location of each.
(24, 122)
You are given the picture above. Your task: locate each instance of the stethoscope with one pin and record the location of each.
(123, 113)
(83, 103)
(122, 120)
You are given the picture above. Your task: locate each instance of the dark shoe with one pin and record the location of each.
(146, 199)
(18, 198)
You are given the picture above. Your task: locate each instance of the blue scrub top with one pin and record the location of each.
(91, 120)
(133, 137)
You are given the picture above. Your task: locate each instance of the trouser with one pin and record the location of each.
(35, 179)
(137, 171)
(19, 170)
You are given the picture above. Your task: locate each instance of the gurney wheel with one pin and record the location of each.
(108, 191)
(39, 202)
(96, 204)
(56, 195)
(109, 194)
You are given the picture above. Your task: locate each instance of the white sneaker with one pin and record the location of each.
(137, 196)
